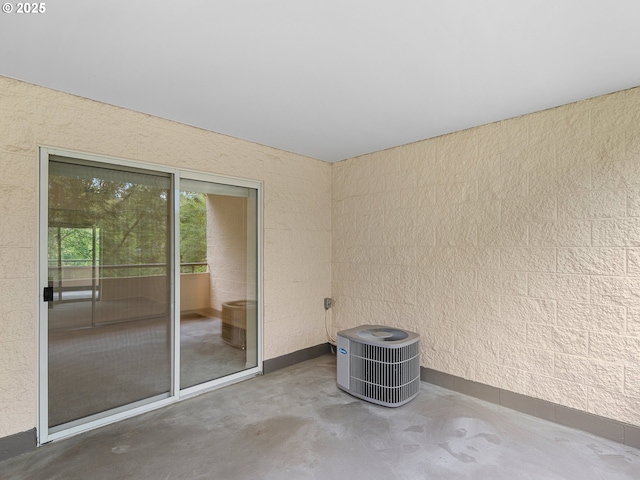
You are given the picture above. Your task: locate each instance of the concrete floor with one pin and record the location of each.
(295, 424)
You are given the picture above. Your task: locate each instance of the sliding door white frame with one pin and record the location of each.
(117, 414)
(250, 372)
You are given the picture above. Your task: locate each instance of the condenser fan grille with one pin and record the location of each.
(384, 334)
(388, 375)
(390, 396)
(383, 353)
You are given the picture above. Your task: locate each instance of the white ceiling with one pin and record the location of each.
(330, 79)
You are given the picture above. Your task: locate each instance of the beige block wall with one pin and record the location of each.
(511, 248)
(227, 251)
(297, 222)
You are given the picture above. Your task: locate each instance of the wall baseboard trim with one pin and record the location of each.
(601, 426)
(17, 444)
(283, 361)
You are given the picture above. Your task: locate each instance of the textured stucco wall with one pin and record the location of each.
(297, 219)
(512, 248)
(227, 250)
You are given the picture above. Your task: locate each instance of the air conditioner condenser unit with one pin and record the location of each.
(379, 364)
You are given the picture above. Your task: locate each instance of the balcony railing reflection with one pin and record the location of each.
(82, 282)
(74, 271)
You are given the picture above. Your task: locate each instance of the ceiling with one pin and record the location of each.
(330, 79)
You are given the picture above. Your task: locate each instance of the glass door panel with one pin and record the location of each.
(109, 320)
(218, 281)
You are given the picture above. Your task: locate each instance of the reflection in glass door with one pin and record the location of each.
(151, 288)
(218, 281)
(108, 316)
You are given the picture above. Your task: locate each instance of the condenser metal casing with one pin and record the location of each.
(379, 364)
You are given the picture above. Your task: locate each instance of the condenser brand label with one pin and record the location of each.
(343, 351)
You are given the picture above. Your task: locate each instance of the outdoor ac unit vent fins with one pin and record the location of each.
(379, 364)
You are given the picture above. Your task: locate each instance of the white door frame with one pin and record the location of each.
(117, 414)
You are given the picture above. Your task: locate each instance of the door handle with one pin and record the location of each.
(47, 294)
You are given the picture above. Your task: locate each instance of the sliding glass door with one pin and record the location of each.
(218, 281)
(109, 275)
(150, 284)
